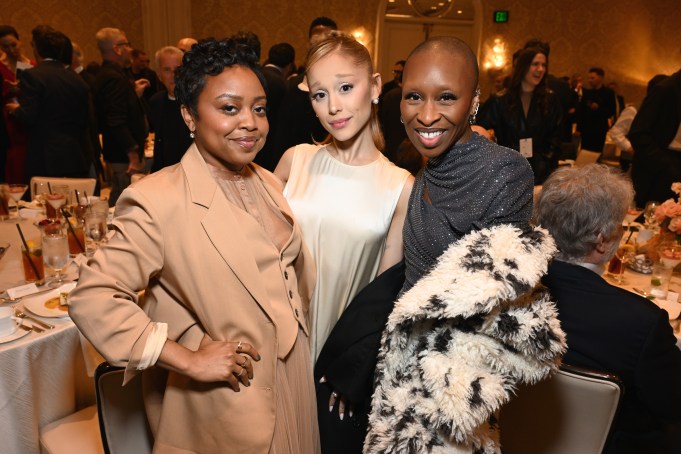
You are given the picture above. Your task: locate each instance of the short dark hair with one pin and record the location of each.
(137, 52)
(656, 79)
(8, 30)
(282, 54)
(597, 70)
(401, 62)
(209, 58)
(323, 21)
(248, 38)
(50, 43)
(454, 46)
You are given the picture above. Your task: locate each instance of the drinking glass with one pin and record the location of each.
(55, 200)
(625, 254)
(632, 214)
(76, 235)
(35, 256)
(56, 253)
(649, 214)
(96, 226)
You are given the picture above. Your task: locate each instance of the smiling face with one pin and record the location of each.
(231, 122)
(535, 72)
(341, 93)
(438, 96)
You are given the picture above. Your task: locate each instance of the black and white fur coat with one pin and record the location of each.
(459, 341)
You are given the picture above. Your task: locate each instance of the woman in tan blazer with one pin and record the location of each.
(227, 279)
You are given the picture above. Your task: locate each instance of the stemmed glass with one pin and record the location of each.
(17, 191)
(651, 221)
(96, 225)
(55, 200)
(632, 213)
(56, 253)
(625, 254)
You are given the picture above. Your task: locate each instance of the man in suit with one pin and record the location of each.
(53, 104)
(608, 328)
(595, 111)
(655, 134)
(120, 116)
(277, 68)
(171, 135)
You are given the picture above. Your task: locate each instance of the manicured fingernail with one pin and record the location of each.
(322, 380)
(342, 414)
(258, 358)
(330, 408)
(350, 412)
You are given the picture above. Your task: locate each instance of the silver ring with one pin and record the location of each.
(335, 395)
(238, 347)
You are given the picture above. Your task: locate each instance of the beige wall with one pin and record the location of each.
(632, 42)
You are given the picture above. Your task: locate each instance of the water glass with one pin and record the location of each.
(56, 253)
(96, 227)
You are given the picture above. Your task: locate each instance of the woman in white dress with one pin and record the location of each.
(349, 199)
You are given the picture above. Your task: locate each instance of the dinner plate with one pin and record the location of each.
(36, 304)
(18, 334)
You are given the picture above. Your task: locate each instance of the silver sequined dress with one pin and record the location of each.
(474, 185)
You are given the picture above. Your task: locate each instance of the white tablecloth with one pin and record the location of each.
(43, 376)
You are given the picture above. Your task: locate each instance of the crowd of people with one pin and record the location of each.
(303, 291)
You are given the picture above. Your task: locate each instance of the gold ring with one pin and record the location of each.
(245, 361)
(238, 347)
(239, 374)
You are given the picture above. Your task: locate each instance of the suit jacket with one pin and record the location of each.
(197, 257)
(120, 116)
(54, 107)
(171, 135)
(275, 89)
(612, 330)
(655, 166)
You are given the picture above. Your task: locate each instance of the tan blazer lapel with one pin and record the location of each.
(222, 227)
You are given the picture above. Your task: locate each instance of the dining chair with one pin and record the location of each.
(122, 418)
(571, 412)
(77, 432)
(81, 184)
(585, 157)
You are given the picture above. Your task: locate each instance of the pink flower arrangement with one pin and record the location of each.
(669, 213)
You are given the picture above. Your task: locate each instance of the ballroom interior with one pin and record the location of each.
(632, 40)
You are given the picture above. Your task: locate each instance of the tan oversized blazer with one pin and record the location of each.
(178, 238)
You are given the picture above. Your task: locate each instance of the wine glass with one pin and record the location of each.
(670, 256)
(16, 192)
(632, 214)
(56, 253)
(626, 253)
(96, 225)
(651, 221)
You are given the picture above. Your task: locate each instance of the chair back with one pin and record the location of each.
(571, 412)
(122, 418)
(38, 185)
(585, 157)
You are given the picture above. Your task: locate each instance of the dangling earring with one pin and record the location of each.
(471, 119)
(374, 101)
(191, 134)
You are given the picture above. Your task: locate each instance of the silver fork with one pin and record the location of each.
(30, 328)
(19, 313)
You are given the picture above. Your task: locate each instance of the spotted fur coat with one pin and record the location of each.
(458, 342)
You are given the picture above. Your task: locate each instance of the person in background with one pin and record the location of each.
(595, 111)
(527, 116)
(655, 134)
(608, 328)
(396, 80)
(185, 44)
(296, 120)
(618, 133)
(473, 263)
(277, 68)
(120, 116)
(171, 136)
(221, 340)
(12, 61)
(619, 99)
(139, 69)
(350, 201)
(54, 106)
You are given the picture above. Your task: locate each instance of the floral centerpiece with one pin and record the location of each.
(668, 215)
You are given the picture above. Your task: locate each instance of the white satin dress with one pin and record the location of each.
(344, 212)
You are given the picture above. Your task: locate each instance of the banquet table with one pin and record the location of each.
(43, 376)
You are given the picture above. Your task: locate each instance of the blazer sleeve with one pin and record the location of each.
(113, 97)
(30, 97)
(105, 305)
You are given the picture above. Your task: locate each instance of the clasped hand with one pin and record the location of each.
(224, 361)
(343, 402)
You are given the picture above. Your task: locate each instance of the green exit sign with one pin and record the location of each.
(500, 16)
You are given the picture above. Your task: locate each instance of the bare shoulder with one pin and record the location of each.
(283, 169)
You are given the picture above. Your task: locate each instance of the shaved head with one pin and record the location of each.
(452, 46)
